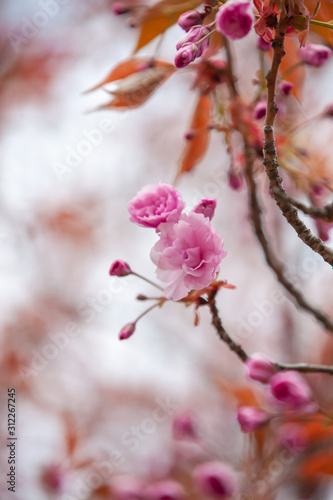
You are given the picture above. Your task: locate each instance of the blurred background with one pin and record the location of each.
(95, 416)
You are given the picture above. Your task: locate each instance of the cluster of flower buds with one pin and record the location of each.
(192, 45)
(288, 391)
(234, 20)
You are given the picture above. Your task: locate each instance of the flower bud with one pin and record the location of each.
(120, 268)
(119, 8)
(215, 479)
(184, 426)
(194, 35)
(286, 87)
(263, 45)
(314, 54)
(235, 180)
(127, 331)
(291, 389)
(250, 419)
(323, 229)
(170, 490)
(235, 19)
(190, 19)
(259, 110)
(127, 488)
(259, 368)
(206, 207)
(186, 55)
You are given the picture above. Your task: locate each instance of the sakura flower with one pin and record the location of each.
(155, 204)
(187, 255)
(235, 19)
(120, 268)
(206, 207)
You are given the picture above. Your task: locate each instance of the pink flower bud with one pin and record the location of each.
(314, 54)
(215, 479)
(189, 19)
(250, 419)
(186, 55)
(119, 8)
(235, 19)
(120, 268)
(292, 437)
(259, 110)
(286, 87)
(52, 478)
(194, 35)
(323, 229)
(185, 426)
(235, 180)
(127, 331)
(291, 389)
(259, 368)
(263, 45)
(206, 207)
(165, 490)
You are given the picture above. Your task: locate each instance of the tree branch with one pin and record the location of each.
(271, 260)
(243, 356)
(270, 153)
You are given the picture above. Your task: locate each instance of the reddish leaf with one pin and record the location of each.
(136, 88)
(158, 18)
(126, 68)
(196, 146)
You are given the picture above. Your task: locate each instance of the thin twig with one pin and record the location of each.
(243, 356)
(271, 260)
(270, 153)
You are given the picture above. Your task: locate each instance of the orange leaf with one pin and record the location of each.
(196, 147)
(318, 463)
(136, 88)
(126, 68)
(158, 18)
(325, 14)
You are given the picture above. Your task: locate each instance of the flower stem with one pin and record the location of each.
(148, 281)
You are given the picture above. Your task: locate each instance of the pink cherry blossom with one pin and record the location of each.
(187, 255)
(235, 19)
(154, 204)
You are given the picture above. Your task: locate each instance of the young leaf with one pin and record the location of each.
(196, 146)
(158, 18)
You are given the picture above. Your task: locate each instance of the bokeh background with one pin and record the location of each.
(85, 399)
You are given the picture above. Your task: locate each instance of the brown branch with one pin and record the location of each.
(270, 153)
(272, 261)
(325, 213)
(217, 323)
(243, 356)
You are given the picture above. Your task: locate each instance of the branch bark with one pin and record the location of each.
(270, 153)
